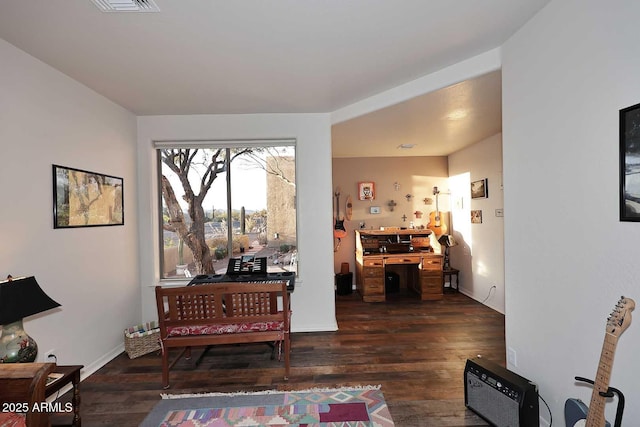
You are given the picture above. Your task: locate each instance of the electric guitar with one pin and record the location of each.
(576, 413)
(338, 228)
(435, 223)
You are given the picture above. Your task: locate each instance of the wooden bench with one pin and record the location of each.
(222, 313)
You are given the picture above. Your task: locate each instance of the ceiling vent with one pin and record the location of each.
(127, 5)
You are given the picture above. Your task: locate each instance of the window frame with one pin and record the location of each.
(227, 144)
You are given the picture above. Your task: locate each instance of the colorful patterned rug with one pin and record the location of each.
(345, 407)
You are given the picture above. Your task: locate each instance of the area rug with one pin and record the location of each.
(362, 406)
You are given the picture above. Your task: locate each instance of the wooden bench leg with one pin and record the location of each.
(287, 361)
(165, 367)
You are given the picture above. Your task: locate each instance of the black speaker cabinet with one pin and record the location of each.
(501, 397)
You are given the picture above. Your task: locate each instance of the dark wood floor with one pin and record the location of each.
(415, 350)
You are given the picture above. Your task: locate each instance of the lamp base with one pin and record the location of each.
(15, 345)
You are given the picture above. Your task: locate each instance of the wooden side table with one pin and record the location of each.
(22, 386)
(70, 375)
(451, 273)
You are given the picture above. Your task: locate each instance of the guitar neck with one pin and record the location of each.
(595, 417)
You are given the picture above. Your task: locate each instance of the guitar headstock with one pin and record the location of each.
(620, 317)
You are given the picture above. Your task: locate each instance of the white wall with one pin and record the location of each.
(47, 118)
(479, 254)
(568, 258)
(312, 302)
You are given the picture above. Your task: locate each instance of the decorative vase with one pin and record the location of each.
(180, 268)
(15, 345)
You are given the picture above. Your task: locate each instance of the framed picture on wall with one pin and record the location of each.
(630, 163)
(480, 189)
(86, 199)
(476, 217)
(366, 191)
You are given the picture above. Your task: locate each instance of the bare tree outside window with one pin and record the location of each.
(204, 219)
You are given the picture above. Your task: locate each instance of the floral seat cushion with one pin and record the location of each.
(221, 329)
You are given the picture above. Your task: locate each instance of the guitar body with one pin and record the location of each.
(436, 225)
(576, 412)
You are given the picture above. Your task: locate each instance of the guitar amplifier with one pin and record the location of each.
(501, 397)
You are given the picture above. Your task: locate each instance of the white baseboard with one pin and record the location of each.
(470, 295)
(90, 369)
(316, 328)
(94, 366)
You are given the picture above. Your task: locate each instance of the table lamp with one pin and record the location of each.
(20, 297)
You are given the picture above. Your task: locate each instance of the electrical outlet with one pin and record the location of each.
(512, 358)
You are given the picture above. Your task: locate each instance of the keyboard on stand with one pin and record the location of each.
(247, 269)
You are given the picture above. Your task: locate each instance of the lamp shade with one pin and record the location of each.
(21, 297)
(447, 240)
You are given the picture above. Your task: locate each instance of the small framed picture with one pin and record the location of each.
(476, 217)
(480, 189)
(366, 191)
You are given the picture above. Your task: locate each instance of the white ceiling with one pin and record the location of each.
(435, 124)
(270, 56)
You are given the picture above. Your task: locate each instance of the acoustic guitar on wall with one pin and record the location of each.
(576, 413)
(435, 219)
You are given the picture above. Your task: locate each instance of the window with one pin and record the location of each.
(226, 200)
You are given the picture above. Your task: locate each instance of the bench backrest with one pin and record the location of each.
(220, 303)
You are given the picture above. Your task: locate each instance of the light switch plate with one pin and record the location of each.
(374, 209)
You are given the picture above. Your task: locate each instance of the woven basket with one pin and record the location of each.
(142, 339)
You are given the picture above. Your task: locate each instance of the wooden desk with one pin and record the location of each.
(379, 251)
(71, 375)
